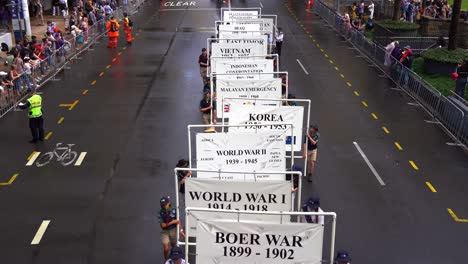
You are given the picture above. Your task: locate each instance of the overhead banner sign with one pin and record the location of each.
(255, 115)
(239, 15)
(241, 152)
(248, 89)
(243, 69)
(230, 242)
(237, 195)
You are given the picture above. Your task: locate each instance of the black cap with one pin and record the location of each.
(164, 200)
(343, 256)
(176, 253)
(182, 163)
(314, 126)
(204, 49)
(314, 202)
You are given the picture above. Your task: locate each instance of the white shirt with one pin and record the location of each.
(279, 36)
(171, 262)
(319, 219)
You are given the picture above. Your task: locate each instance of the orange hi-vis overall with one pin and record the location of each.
(128, 30)
(113, 35)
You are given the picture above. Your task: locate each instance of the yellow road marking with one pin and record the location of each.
(114, 59)
(326, 55)
(32, 154)
(93, 82)
(399, 147)
(12, 179)
(356, 93)
(101, 74)
(455, 217)
(120, 53)
(331, 61)
(386, 130)
(108, 66)
(313, 40)
(429, 185)
(318, 46)
(85, 92)
(124, 48)
(322, 50)
(60, 120)
(415, 167)
(70, 106)
(342, 75)
(336, 68)
(48, 135)
(349, 84)
(364, 103)
(375, 116)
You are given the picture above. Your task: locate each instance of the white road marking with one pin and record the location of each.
(40, 232)
(33, 159)
(454, 144)
(261, 5)
(302, 66)
(414, 104)
(80, 158)
(376, 174)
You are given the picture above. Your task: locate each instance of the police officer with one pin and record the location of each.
(36, 122)
(343, 257)
(169, 225)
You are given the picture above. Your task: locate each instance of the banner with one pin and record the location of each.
(266, 24)
(254, 115)
(239, 15)
(237, 195)
(245, 69)
(239, 49)
(239, 30)
(241, 152)
(230, 242)
(248, 89)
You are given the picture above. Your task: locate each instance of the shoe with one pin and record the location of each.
(309, 177)
(33, 141)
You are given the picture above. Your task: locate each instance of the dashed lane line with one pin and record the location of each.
(356, 93)
(364, 103)
(70, 106)
(349, 84)
(93, 82)
(108, 66)
(386, 130)
(369, 164)
(342, 75)
(399, 147)
(10, 182)
(429, 185)
(60, 121)
(455, 217)
(40, 232)
(337, 69)
(375, 116)
(48, 135)
(415, 167)
(101, 74)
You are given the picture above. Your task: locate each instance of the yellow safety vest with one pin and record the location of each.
(35, 108)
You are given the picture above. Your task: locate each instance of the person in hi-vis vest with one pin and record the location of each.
(113, 32)
(36, 121)
(128, 24)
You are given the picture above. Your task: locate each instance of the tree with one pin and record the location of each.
(396, 10)
(456, 10)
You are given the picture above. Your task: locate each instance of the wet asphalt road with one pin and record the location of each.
(132, 124)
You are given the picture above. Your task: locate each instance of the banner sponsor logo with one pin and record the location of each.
(243, 69)
(248, 89)
(253, 116)
(237, 195)
(229, 242)
(241, 152)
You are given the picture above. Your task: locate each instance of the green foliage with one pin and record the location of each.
(445, 55)
(397, 25)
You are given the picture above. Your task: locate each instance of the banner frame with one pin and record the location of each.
(254, 56)
(210, 40)
(259, 9)
(239, 212)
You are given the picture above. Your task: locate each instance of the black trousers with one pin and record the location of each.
(37, 128)
(279, 44)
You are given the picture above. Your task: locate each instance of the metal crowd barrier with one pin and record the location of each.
(47, 69)
(442, 110)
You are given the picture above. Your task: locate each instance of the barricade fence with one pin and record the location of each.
(16, 88)
(442, 109)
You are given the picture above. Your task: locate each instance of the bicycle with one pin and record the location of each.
(66, 158)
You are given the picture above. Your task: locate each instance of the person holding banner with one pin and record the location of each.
(206, 105)
(279, 41)
(342, 257)
(169, 225)
(203, 62)
(310, 149)
(183, 175)
(313, 205)
(176, 256)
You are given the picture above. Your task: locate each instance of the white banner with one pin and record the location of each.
(245, 69)
(240, 48)
(239, 15)
(253, 116)
(239, 30)
(237, 195)
(230, 242)
(248, 89)
(241, 152)
(266, 24)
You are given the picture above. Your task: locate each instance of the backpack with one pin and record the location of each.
(113, 27)
(130, 22)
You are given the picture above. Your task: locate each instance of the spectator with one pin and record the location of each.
(19, 67)
(407, 57)
(55, 8)
(15, 77)
(353, 11)
(396, 52)
(85, 28)
(460, 84)
(64, 6)
(169, 225)
(343, 257)
(28, 70)
(203, 62)
(371, 9)
(5, 16)
(313, 205)
(361, 9)
(66, 19)
(176, 256)
(183, 175)
(358, 25)
(39, 12)
(310, 150)
(347, 24)
(409, 11)
(108, 10)
(388, 53)
(77, 35)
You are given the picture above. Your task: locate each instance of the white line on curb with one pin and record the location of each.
(376, 174)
